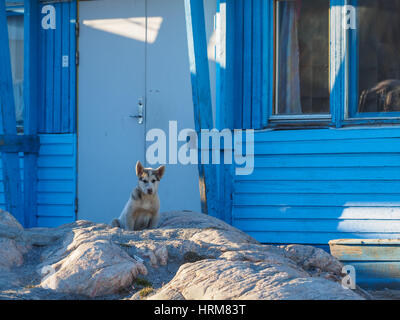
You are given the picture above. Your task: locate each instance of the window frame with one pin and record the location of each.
(342, 72)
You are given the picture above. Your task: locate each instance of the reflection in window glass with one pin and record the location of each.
(378, 55)
(15, 24)
(302, 57)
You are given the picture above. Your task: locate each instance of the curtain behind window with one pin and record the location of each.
(16, 40)
(289, 101)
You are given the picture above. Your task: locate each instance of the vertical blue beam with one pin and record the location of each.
(200, 78)
(11, 169)
(338, 40)
(225, 95)
(247, 63)
(73, 16)
(31, 90)
(267, 60)
(237, 27)
(256, 65)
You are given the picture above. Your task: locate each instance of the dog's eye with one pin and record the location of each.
(153, 181)
(145, 181)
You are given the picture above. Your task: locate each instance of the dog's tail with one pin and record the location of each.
(116, 223)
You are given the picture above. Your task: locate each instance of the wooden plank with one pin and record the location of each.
(323, 174)
(57, 80)
(353, 146)
(323, 212)
(338, 89)
(256, 65)
(326, 134)
(32, 102)
(372, 160)
(19, 143)
(11, 170)
(309, 199)
(382, 250)
(51, 222)
(56, 174)
(238, 64)
(267, 61)
(49, 67)
(318, 187)
(65, 71)
(313, 237)
(247, 64)
(72, 69)
(55, 198)
(315, 225)
(199, 69)
(55, 211)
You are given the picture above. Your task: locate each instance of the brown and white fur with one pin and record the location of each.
(142, 209)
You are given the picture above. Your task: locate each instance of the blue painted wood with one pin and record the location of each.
(312, 186)
(376, 261)
(65, 71)
(57, 80)
(11, 170)
(72, 69)
(57, 112)
(267, 61)
(31, 89)
(19, 143)
(257, 65)
(238, 27)
(203, 118)
(56, 183)
(338, 68)
(247, 65)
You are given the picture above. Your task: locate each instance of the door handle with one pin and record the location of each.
(140, 116)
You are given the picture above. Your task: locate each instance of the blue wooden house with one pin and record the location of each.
(318, 81)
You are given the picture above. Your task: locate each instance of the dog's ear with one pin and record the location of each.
(139, 169)
(160, 172)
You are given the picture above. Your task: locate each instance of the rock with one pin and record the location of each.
(243, 280)
(94, 269)
(11, 254)
(9, 226)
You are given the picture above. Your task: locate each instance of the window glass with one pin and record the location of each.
(377, 55)
(302, 57)
(15, 22)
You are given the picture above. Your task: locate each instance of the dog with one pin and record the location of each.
(142, 209)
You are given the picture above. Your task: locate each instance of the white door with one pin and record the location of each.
(111, 80)
(130, 49)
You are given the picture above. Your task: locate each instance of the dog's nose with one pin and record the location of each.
(150, 191)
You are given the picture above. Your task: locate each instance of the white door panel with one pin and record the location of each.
(111, 79)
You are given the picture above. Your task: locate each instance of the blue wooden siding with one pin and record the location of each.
(58, 91)
(252, 61)
(312, 186)
(56, 180)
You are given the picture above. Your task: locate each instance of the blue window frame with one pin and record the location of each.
(364, 71)
(373, 44)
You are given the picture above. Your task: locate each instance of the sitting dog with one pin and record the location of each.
(142, 209)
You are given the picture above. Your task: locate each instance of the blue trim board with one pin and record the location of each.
(201, 92)
(11, 169)
(31, 81)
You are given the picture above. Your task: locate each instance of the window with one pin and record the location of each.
(302, 57)
(375, 59)
(15, 23)
(326, 69)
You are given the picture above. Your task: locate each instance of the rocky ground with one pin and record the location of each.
(190, 256)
